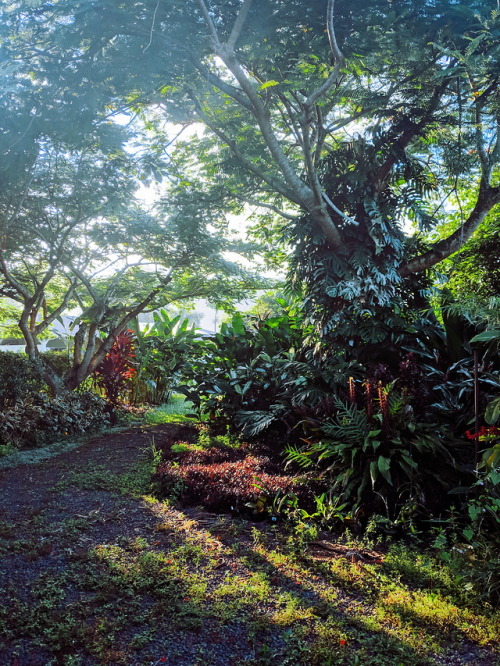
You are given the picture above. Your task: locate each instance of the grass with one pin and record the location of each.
(175, 411)
(183, 577)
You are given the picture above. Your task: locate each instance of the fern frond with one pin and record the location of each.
(253, 423)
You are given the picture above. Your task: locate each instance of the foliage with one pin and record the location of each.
(17, 378)
(163, 351)
(59, 360)
(38, 419)
(469, 541)
(91, 246)
(115, 372)
(378, 458)
(252, 373)
(9, 315)
(236, 368)
(303, 123)
(475, 271)
(177, 409)
(222, 478)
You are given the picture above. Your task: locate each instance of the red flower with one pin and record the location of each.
(342, 642)
(492, 431)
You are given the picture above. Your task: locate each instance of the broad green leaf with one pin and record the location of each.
(384, 465)
(492, 413)
(486, 336)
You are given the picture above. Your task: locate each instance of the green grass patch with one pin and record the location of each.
(175, 411)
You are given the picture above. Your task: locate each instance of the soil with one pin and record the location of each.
(51, 518)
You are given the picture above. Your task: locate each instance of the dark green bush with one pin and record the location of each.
(58, 360)
(252, 368)
(18, 378)
(38, 419)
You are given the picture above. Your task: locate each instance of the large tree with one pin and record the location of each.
(78, 239)
(343, 118)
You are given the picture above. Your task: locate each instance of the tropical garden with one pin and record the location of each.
(336, 443)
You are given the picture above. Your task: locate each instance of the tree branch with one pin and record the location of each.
(39, 328)
(406, 136)
(275, 184)
(223, 86)
(254, 202)
(17, 286)
(337, 57)
(238, 24)
(488, 197)
(210, 24)
(481, 151)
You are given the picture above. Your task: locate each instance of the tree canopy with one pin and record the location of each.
(344, 120)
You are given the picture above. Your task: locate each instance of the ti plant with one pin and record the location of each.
(113, 375)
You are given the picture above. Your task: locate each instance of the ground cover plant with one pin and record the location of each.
(226, 475)
(110, 575)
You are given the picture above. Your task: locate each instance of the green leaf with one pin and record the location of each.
(492, 412)
(486, 336)
(238, 325)
(474, 512)
(384, 465)
(269, 84)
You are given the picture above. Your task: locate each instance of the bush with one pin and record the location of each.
(58, 360)
(223, 478)
(39, 419)
(18, 378)
(252, 368)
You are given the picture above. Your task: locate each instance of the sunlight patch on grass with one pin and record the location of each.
(430, 609)
(175, 411)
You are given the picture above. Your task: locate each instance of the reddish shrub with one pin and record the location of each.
(116, 370)
(221, 479)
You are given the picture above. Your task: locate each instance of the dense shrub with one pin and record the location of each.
(224, 479)
(163, 352)
(18, 378)
(379, 458)
(38, 419)
(253, 367)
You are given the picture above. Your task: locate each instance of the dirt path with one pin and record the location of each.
(94, 571)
